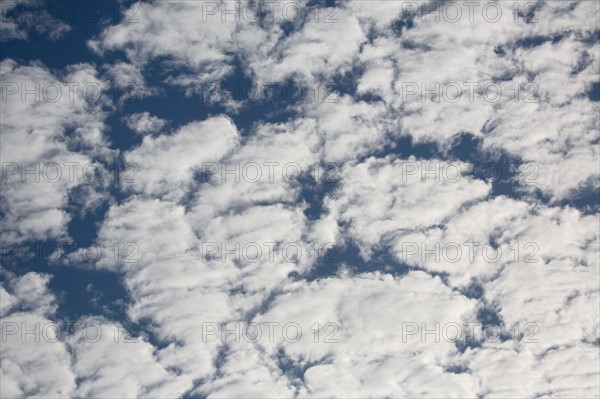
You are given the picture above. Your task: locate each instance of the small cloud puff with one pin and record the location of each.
(144, 123)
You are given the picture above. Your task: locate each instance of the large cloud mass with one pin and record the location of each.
(341, 243)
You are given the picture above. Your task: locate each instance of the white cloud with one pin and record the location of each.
(372, 355)
(348, 128)
(35, 362)
(128, 82)
(265, 169)
(110, 363)
(200, 47)
(318, 41)
(43, 117)
(144, 123)
(172, 273)
(248, 373)
(381, 14)
(506, 227)
(196, 41)
(510, 372)
(169, 284)
(550, 122)
(25, 16)
(167, 163)
(383, 197)
(379, 203)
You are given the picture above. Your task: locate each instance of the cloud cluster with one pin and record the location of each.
(208, 194)
(20, 17)
(521, 87)
(31, 365)
(52, 142)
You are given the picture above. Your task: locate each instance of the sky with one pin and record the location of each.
(300, 199)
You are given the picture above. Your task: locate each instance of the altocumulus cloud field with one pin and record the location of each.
(300, 199)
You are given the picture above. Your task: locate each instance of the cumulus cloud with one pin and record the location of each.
(104, 352)
(200, 48)
(167, 277)
(20, 17)
(222, 215)
(180, 155)
(35, 362)
(196, 49)
(41, 357)
(266, 169)
(536, 238)
(318, 41)
(528, 100)
(44, 117)
(202, 232)
(371, 343)
(383, 197)
(128, 82)
(349, 128)
(144, 123)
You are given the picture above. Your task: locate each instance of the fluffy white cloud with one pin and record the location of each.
(221, 217)
(207, 191)
(318, 41)
(248, 372)
(380, 198)
(480, 240)
(196, 49)
(170, 284)
(144, 123)
(167, 163)
(512, 372)
(45, 116)
(444, 84)
(35, 362)
(103, 353)
(381, 14)
(200, 47)
(266, 169)
(348, 128)
(128, 82)
(19, 17)
(371, 354)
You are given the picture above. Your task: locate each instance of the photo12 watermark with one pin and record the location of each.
(92, 331)
(94, 93)
(69, 253)
(268, 172)
(523, 173)
(470, 251)
(268, 11)
(87, 331)
(471, 11)
(269, 252)
(468, 92)
(455, 332)
(270, 331)
(92, 173)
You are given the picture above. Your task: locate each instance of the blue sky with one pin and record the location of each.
(402, 197)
